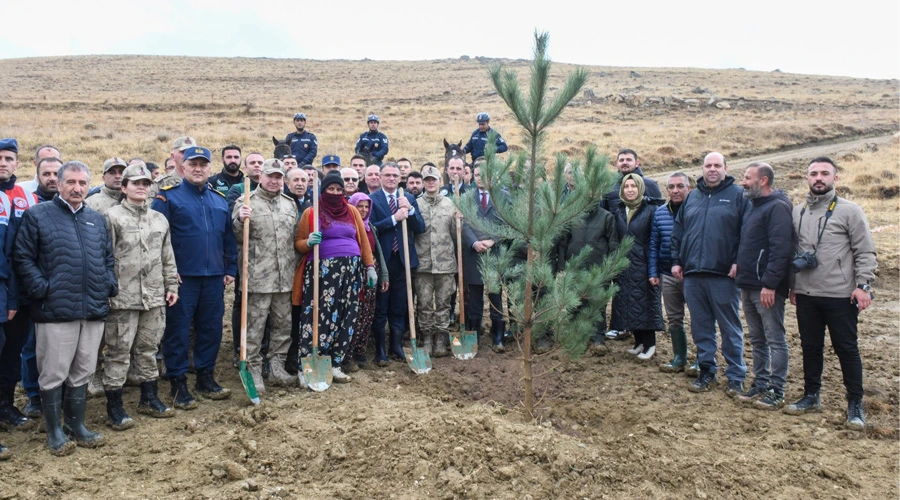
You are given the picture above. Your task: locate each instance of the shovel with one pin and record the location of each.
(316, 369)
(246, 378)
(419, 361)
(465, 344)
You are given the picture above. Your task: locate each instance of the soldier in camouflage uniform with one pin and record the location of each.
(436, 275)
(148, 281)
(110, 193)
(174, 177)
(270, 272)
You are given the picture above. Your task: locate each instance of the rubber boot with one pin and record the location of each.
(428, 343)
(679, 348)
(10, 416)
(497, 330)
(395, 351)
(381, 358)
(118, 419)
(441, 341)
(51, 407)
(150, 403)
(73, 416)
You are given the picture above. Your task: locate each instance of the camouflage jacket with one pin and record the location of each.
(271, 256)
(436, 247)
(105, 199)
(165, 180)
(145, 263)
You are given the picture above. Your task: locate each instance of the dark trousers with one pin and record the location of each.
(293, 354)
(29, 362)
(390, 306)
(475, 305)
(840, 316)
(201, 301)
(11, 353)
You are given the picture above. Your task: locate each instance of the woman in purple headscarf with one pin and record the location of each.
(356, 357)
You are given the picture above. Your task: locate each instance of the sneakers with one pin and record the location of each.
(809, 403)
(734, 388)
(339, 376)
(771, 400)
(755, 393)
(258, 382)
(647, 354)
(279, 374)
(207, 387)
(692, 370)
(705, 381)
(617, 335)
(856, 420)
(639, 348)
(95, 387)
(181, 397)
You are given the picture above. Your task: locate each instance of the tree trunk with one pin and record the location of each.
(526, 348)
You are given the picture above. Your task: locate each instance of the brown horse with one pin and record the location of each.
(281, 148)
(452, 151)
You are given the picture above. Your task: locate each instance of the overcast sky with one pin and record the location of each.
(858, 38)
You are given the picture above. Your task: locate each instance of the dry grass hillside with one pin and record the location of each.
(608, 427)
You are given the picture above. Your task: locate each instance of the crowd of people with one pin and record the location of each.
(99, 284)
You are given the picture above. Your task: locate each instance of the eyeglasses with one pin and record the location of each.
(351, 179)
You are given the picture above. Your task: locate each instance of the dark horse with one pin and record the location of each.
(452, 151)
(281, 148)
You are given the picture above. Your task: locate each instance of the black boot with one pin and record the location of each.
(474, 326)
(856, 418)
(181, 397)
(51, 407)
(497, 330)
(150, 403)
(118, 419)
(381, 358)
(396, 348)
(10, 416)
(33, 407)
(809, 403)
(207, 387)
(73, 417)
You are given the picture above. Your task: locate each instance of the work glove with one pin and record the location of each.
(314, 239)
(371, 277)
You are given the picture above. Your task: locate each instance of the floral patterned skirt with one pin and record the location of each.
(363, 324)
(340, 283)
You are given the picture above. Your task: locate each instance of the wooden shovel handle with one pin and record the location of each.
(459, 265)
(315, 321)
(409, 297)
(245, 278)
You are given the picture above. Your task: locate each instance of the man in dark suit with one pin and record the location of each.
(388, 211)
(476, 243)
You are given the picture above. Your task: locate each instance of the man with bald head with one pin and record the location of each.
(373, 178)
(704, 248)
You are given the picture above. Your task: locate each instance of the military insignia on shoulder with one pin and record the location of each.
(161, 197)
(166, 188)
(218, 193)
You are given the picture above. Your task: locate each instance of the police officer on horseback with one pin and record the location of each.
(303, 143)
(373, 142)
(479, 138)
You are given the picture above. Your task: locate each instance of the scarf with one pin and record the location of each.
(334, 208)
(358, 197)
(632, 206)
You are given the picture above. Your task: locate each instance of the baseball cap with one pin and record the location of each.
(114, 162)
(431, 172)
(136, 172)
(273, 166)
(299, 116)
(373, 118)
(197, 152)
(10, 144)
(331, 160)
(183, 143)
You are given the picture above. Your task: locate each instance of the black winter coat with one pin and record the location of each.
(637, 305)
(597, 231)
(65, 262)
(767, 244)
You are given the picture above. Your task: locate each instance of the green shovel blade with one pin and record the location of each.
(464, 345)
(419, 361)
(249, 386)
(317, 371)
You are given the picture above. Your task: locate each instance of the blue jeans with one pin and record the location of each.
(714, 300)
(201, 301)
(765, 329)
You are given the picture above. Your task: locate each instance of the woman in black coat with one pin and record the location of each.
(637, 305)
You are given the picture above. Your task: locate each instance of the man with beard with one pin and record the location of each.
(627, 163)
(415, 184)
(373, 141)
(46, 176)
(252, 167)
(106, 196)
(304, 145)
(231, 170)
(43, 151)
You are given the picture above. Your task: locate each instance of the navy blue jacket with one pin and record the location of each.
(651, 189)
(200, 222)
(766, 248)
(375, 143)
(304, 146)
(660, 255)
(65, 262)
(479, 139)
(707, 229)
(387, 231)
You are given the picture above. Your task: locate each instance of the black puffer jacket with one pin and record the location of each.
(767, 244)
(597, 231)
(65, 262)
(637, 305)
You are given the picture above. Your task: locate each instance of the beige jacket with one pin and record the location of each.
(271, 256)
(846, 254)
(436, 247)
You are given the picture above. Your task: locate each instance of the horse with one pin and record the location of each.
(366, 153)
(452, 151)
(281, 148)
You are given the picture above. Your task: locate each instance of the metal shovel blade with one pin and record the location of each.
(249, 385)
(419, 361)
(316, 371)
(464, 345)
